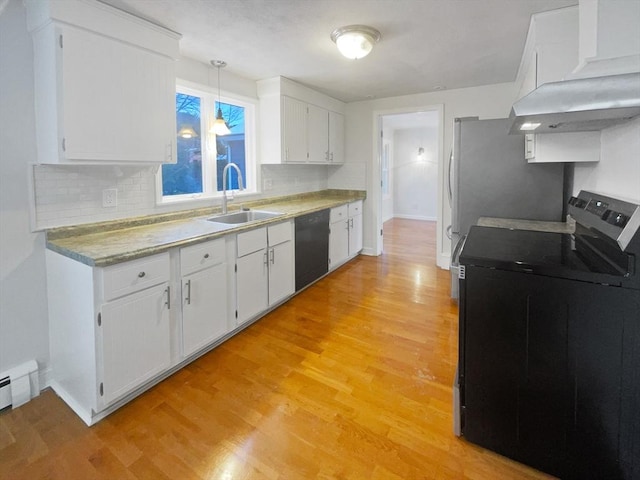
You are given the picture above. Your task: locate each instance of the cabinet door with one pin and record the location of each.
(252, 285)
(338, 242)
(294, 131)
(117, 100)
(281, 272)
(355, 234)
(336, 137)
(204, 307)
(135, 340)
(318, 134)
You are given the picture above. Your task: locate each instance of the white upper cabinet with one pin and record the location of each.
(104, 85)
(299, 125)
(551, 49)
(325, 131)
(318, 134)
(294, 130)
(609, 38)
(550, 55)
(336, 137)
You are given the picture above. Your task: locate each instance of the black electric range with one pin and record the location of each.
(549, 352)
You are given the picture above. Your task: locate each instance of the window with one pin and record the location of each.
(202, 156)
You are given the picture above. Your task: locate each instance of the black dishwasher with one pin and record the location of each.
(312, 247)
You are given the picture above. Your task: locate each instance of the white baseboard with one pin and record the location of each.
(45, 378)
(414, 217)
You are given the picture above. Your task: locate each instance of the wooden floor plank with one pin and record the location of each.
(351, 379)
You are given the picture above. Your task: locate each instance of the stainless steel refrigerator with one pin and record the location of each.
(489, 177)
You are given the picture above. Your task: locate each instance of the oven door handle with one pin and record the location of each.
(455, 256)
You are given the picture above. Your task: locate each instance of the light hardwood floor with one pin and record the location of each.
(351, 379)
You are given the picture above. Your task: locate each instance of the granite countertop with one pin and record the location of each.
(107, 243)
(536, 225)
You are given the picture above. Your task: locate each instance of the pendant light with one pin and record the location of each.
(219, 125)
(187, 132)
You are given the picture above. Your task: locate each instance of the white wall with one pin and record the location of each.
(415, 182)
(617, 174)
(492, 101)
(23, 295)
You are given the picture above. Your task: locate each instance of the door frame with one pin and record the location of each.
(375, 188)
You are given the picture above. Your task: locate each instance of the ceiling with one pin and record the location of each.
(426, 44)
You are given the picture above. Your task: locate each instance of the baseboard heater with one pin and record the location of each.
(19, 385)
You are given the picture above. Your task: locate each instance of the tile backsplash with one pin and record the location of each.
(69, 195)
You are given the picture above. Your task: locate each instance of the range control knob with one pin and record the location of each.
(615, 218)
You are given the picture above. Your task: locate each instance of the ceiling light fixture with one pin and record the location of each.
(219, 126)
(355, 41)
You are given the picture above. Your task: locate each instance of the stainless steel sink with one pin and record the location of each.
(245, 216)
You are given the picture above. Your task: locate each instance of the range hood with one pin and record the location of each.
(580, 105)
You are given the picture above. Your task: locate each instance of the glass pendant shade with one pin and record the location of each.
(220, 126)
(187, 131)
(355, 41)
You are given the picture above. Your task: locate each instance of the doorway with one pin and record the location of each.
(409, 152)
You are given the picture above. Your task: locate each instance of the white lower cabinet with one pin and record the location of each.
(265, 269)
(109, 329)
(345, 238)
(338, 236)
(355, 228)
(116, 330)
(204, 295)
(134, 334)
(281, 262)
(252, 274)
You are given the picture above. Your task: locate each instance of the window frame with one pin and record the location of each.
(208, 98)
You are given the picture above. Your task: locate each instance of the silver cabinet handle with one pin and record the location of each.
(188, 299)
(168, 302)
(141, 274)
(266, 258)
(273, 256)
(351, 222)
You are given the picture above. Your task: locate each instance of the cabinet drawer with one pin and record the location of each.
(355, 208)
(252, 241)
(280, 233)
(201, 256)
(136, 275)
(338, 213)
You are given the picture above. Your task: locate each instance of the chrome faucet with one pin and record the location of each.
(224, 183)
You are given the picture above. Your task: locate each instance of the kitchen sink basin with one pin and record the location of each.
(245, 216)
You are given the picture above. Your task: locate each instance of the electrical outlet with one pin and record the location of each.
(110, 197)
